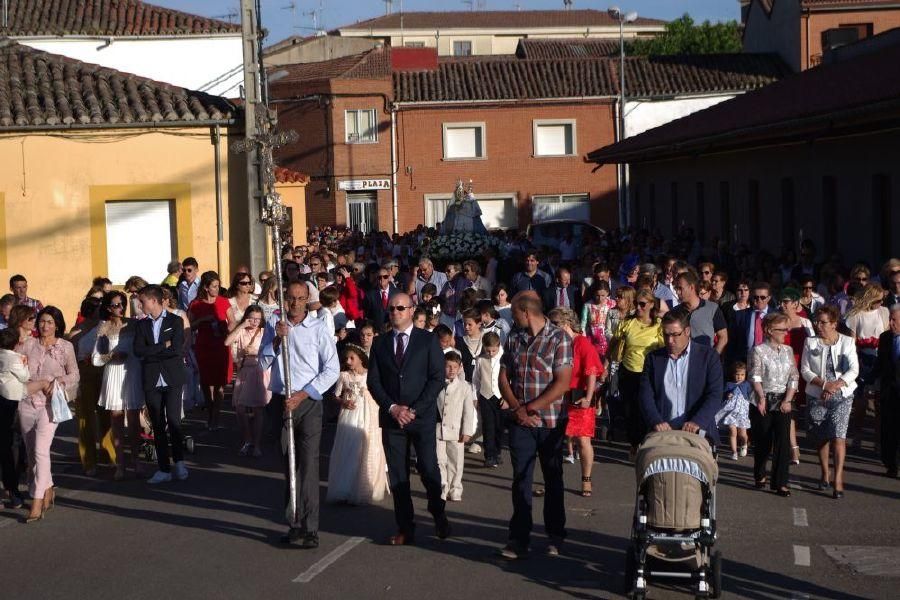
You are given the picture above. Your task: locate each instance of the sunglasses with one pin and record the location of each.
(117, 305)
(245, 283)
(808, 287)
(385, 276)
(643, 304)
(706, 272)
(821, 323)
(398, 308)
(760, 297)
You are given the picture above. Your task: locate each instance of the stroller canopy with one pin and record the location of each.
(678, 451)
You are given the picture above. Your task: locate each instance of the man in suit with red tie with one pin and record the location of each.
(563, 294)
(377, 299)
(406, 374)
(746, 329)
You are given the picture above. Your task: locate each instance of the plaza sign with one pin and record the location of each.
(365, 184)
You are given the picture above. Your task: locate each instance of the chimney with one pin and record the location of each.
(414, 59)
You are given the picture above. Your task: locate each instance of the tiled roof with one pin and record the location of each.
(47, 91)
(814, 102)
(285, 175)
(566, 48)
(105, 17)
(496, 19)
(844, 3)
(374, 64)
(509, 78)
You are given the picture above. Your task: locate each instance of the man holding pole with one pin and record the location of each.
(312, 368)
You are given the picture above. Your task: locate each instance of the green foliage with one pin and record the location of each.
(683, 36)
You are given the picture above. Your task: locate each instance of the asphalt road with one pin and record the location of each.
(215, 536)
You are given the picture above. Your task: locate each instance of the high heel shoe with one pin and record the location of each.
(838, 494)
(795, 451)
(49, 499)
(32, 519)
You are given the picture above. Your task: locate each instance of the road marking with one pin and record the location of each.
(800, 519)
(799, 596)
(328, 560)
(801, 556)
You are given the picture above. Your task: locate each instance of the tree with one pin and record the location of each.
(683, 36)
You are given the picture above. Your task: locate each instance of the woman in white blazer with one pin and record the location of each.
(829, 366)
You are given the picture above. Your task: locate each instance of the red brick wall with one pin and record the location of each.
(309, 155)
(881, 20)
(509, 165)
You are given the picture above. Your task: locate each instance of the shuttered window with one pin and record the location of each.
(139, 239)
(463, 140)
(554, 138)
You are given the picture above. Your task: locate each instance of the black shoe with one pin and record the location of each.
(824, 485)
(294, 535)
(310, 541)
(442, 527)
(838, 494)
(892, 473)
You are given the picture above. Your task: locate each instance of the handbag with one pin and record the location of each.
(59, 404)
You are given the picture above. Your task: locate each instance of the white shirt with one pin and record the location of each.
(405, 332)
(675, 384)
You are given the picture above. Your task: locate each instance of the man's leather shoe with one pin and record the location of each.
(310, 541)
(442, 527)
(294, 535)
(401, 539)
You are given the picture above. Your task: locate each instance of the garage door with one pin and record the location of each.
(564, 206)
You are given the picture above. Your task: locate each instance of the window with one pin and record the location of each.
(414, 44)
(139, 238)
(361, 126)
(788, 213)
(498, 211)
(725, 212)
(755, 216)
(701, 211)
(362, 211)
(463, 141)
(564, 206)
(830, 213)
(554, 138)
(463, 48)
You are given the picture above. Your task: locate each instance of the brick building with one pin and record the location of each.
(800, 31)
(386, 134)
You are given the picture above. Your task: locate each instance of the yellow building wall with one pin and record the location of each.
(52, 192)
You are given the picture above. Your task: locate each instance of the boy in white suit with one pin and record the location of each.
(456, 406)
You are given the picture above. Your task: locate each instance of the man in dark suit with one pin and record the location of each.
(562, 294)
(681, 386)
(745, 329)
(889, 372)
(159, 343)
(377, 299)
(406, 374)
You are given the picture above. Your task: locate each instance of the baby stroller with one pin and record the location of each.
(674, 528)
(148, 444)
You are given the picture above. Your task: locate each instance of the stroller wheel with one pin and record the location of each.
(715, 583)
(189, 444)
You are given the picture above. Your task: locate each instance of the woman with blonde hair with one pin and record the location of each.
(623, 309)
(866, 320)
(133, 285)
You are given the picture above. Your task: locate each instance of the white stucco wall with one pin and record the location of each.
(646, 114)
(209, 64)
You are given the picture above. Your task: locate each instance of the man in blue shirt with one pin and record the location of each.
(314, 368)
(190, 284)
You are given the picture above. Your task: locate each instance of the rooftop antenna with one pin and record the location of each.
(517, 6)
(316, 15)
(470, 4)
(567, 4)
(5, 13)
(231, 16)
(388, 7)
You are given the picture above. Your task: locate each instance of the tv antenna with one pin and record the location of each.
(567, 4)
(231, 16)
(316, 15)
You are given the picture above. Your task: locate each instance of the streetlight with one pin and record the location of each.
(617, 15)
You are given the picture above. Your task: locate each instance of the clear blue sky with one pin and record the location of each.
(284, 22)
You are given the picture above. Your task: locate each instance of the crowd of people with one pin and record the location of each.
(522, 351)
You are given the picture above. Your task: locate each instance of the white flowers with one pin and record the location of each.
(462, 246)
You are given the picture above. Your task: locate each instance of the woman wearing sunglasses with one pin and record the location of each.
(121, 392)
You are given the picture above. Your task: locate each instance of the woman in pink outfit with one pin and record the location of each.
(51, 360)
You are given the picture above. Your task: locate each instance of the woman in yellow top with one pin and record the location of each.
(636, 337)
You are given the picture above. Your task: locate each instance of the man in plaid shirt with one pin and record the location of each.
(534, 376)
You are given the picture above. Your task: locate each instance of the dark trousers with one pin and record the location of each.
(890, 431)
(10, 439)
(772, 429)
(307, 422)
(629, 384)
(275, 418)
(491, 425)
(420, 435)
(164, 404)
(526, 443)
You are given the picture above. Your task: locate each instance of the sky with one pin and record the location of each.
(285, 18)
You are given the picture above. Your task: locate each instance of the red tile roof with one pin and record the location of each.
(815, 102)
(496, 19)
(29, 18)
(510, 78)
(374, 64)
(768, 5)
(47, 91)
(566, 48)
(285, 175)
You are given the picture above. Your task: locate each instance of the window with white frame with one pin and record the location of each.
(360, 126)
(562, 206)
(462, 48)
(498, 211)
(362, 211)
(463, 141)
(554, 138)
(139, 238)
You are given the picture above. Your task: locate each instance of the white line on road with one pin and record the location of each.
(801, 556)
(800, 519)
(799, 596)
(328, 560)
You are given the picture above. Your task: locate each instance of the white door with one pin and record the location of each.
(570, 206)
(362, 211)
(139, 239)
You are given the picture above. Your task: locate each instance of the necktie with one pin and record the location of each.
(562, 297)
(758, 329)
(398, 351)
(384, 299)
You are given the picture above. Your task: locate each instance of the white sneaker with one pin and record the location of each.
(455, 498)
(473, 449)
(569, 458)
(742, 451)
(160, 477)
(734, 456)
(180, 471)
